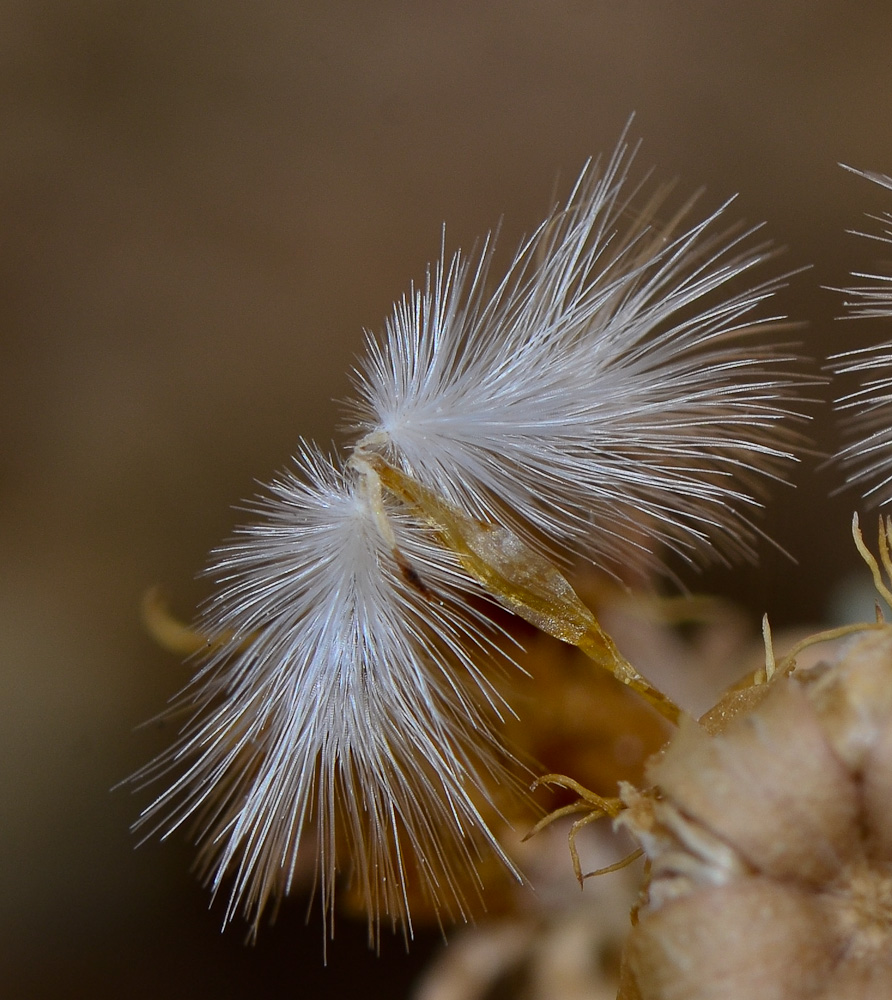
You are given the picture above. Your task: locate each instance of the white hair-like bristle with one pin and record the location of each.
(867, 455)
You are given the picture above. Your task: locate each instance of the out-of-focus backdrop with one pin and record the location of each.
(201, 206)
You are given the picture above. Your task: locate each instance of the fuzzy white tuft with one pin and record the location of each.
(340, 699)
(606, 392)
(868, 455)
(602, 397)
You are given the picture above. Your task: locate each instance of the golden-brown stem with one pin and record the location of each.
(520, 579)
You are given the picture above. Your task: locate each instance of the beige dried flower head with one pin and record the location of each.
(770, 843)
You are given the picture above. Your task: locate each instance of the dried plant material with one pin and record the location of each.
(557, 942)
(770, 845)
(576, 719)
(570, 717)
(548, 940)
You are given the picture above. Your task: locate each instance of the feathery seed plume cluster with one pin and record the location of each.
(605, 398)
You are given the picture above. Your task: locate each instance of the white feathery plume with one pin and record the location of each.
(603, 397)
(868, 455)
(339, 697)
(600, 385)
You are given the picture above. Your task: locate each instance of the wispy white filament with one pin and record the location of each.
(868, 455)
(602, 397)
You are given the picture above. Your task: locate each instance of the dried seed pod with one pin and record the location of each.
(770, 845)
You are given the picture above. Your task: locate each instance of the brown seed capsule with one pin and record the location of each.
(770, 845)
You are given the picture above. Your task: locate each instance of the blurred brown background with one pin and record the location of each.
(203, 203)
